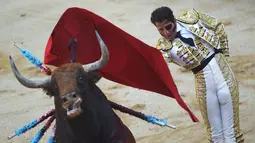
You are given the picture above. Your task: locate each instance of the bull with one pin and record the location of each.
(83, 113)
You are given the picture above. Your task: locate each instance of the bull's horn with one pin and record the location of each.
(26, 82)
(104, 57)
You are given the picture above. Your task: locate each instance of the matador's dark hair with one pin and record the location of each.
(162, 13)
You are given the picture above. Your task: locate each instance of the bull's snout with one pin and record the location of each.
(71, 103)
(69, 97)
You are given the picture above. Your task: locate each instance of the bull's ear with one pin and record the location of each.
(94, 76)
(49, 91)
(52, 88)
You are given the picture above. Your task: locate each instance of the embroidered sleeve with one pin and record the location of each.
(218, 27)
(164, 47)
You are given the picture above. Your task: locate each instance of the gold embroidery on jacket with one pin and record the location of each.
(202, 48)
(163, 44)
(204, 34)
(165, 47)
(189, 17)
(187, 54)
(219, 31)
(216, 34)
(178, 43)
(210, 22)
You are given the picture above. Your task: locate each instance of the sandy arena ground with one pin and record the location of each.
(30, 22)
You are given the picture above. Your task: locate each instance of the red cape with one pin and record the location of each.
(131, 62)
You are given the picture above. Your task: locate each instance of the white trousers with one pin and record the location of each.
(218, 96)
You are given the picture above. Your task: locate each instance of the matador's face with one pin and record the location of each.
(167, 29)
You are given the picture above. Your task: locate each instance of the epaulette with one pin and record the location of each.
(163, 44)
(189, 17)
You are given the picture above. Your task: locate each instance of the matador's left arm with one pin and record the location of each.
(218, 27)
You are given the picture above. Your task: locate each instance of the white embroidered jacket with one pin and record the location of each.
(208, 33)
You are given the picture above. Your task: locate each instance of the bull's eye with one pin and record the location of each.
(80, 78)
(64, 99)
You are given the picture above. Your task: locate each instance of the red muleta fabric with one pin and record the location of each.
(132, 62)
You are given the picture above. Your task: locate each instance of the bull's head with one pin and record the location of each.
(68, 83)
